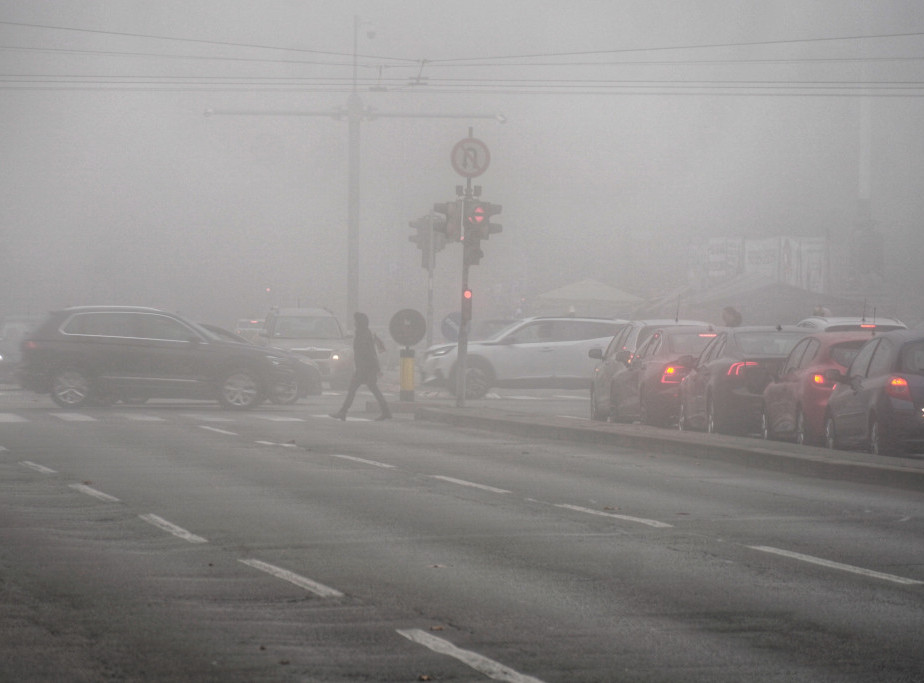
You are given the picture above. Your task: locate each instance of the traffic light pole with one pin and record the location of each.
(430, 266)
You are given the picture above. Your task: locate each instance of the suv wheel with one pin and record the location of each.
(240, 390)
(285, 392)
(70, 388)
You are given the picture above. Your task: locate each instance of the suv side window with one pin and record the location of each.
(811, 350)
(100, 324)
(153, 326)
(534, 332)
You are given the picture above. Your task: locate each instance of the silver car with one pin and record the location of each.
(535, 352)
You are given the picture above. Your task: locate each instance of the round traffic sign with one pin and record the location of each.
(407, 327)
(470, 157)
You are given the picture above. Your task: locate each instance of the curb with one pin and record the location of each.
(898, 472)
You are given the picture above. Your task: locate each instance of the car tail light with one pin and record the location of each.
(739, 368)
(673, 374)
(897, 387)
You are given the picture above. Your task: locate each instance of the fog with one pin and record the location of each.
(633, 131)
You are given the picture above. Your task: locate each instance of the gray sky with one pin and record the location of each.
(633, 129)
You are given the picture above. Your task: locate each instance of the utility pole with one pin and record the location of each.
(355, 113)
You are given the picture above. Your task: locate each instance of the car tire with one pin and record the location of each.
(712, 422)
(830, 433)
(879, 443)
(801, 438)
(285, 393)
(682, 417)
(71, 388)
(240, 390)
(765, 425)
(595, 414)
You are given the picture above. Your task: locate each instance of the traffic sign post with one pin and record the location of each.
(407, 327)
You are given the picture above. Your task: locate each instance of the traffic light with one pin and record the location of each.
(428, 240)
(466, 305)
(477, 218)
(452, 224)
(423, 239)
(471, 251)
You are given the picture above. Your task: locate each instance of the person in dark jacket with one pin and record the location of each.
(366, 368)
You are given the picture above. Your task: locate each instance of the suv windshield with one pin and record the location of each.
(307, 327)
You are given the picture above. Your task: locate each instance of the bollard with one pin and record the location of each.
(407, 374)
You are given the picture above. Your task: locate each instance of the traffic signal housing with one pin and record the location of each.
(466, 305)
(452, 223)
(477, 218)
(428, 239)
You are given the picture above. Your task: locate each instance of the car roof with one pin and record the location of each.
(106, 308)
(302, 311)
(572, 317)
(817, 321)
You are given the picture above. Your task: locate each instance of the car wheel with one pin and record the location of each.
(712, 425)
(285, 392)
(595, 414)
(764, 424)
(801, 437)
(682, 417)
(879, 443)
(71, 388)
(830, 433)
(240, 390)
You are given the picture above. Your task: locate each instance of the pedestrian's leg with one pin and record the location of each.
(383, 404)
(348, 401)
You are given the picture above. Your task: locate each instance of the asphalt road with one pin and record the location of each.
(182, 542)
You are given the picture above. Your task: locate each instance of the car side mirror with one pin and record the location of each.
(595, 353)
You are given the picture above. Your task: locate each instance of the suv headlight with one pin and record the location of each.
(441, 351)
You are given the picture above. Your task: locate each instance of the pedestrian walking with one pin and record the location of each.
(366, 367)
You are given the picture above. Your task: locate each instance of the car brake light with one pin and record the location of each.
(818, 378)
(897, 387)
(868, 326)
(673, 374)
(738, 368)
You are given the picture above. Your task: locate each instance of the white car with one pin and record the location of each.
(535, 352)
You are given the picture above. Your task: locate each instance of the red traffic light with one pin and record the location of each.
(466, 305)
(467, 294)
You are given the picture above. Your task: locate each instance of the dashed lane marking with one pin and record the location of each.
(353, 458)
(11, 417)
(463, 482)
(279, 418)
(318, 589)
(493, 670)
(217, 430)
(140, 417)
(602, 513)
(90, 491)
(171, 528)
(837, 565)
(74, 417)
(38, 468)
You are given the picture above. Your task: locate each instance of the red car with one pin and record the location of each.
(794, 402)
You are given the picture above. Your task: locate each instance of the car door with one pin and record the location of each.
(780, 395)
(176, 355)
(626, 383)
(702, 376)
(850, 408)
(527, 353)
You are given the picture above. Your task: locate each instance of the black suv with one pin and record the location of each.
(97, 355)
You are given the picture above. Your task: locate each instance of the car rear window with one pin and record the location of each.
(913, 358)
(690, 343)
(768, 343)
(843, 354)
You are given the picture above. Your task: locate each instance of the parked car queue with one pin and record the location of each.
(861, 388)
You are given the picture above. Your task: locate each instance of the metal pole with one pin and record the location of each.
(430, 267)
(355, 115)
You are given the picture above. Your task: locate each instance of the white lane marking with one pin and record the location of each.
(375, 463)
(349, 419)
(572, 397)
(11, 417)
(171, 528)
(90, 491)
(208, 418)
(574, 417)
(837, 565)
(279, 418)
(641, 520)
(493, 670)
(463, 482)
(273, 443)
(4, 449)
(218, 431)
(318, 589)
(141, 417)
(38, 468)
(74, 417)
